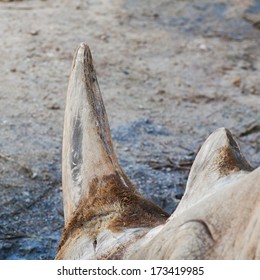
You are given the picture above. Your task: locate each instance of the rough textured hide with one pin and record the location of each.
(105, 216)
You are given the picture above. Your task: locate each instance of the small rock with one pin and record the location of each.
(161, 92)
(237, 82)
(253, 90)
(104, 38)
(203, 47)
(34, 32)
(53, 106)
(34, 175)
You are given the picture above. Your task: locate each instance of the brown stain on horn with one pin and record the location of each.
(111, 205)
(230, 158)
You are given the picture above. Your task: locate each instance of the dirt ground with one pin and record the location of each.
(171, 72)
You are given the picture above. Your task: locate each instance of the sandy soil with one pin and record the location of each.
(171, 72)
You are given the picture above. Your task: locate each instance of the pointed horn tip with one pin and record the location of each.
(84, 47)
(82, 54)
(221, 137)
(222, 130)
(223, 133)
(229, 149)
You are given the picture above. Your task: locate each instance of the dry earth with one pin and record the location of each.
(171, 72)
